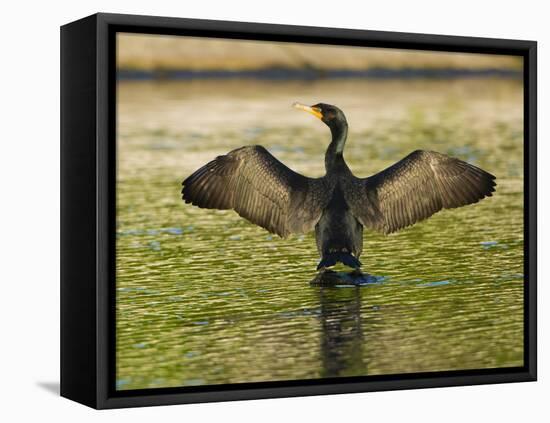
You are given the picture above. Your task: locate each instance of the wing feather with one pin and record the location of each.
(259, 188)
(415, 188)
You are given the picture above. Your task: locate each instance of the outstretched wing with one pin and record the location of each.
(259, 188)
(415, 188)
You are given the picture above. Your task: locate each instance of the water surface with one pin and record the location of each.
(204, 297)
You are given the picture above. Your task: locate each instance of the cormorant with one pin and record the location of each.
(338, 205)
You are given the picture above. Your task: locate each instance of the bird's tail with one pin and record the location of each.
(331, 259)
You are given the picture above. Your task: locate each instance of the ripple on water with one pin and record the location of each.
(435, 283)
(203, 297)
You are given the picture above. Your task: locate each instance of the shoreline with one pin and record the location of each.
(282, 74)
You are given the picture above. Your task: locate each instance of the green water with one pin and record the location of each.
(204, 297)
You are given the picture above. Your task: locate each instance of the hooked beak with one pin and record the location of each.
(315, 111)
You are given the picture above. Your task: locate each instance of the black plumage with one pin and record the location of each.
(338, 205)
(260, 188)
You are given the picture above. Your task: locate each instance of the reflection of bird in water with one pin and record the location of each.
(342, 341)
(264, 191)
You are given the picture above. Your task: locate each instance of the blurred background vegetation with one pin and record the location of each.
(142, 55)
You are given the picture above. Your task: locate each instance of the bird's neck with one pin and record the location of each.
(334, 158)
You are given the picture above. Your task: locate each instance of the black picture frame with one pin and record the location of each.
(88, 82)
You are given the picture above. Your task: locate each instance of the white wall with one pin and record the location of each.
(30, 197)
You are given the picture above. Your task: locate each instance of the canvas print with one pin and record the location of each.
(291, 211)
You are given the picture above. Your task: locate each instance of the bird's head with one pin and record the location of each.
(331, 115)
